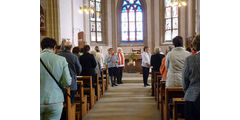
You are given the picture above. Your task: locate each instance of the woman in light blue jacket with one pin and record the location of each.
(112, 62)
(51, 96)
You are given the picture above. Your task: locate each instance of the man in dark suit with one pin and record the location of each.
(156, 61)
(75, 67)
(88, 64)
(191, 83)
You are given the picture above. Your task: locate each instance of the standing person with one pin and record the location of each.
(74, 66)
(146, 65)
(174, 63)
(112, 62)
(76, 51)
(191, 83)
(88, 63)
(156, 61)
(121, 65)
(97, 70)
(163, 70)
(99, 57)
(51, 95)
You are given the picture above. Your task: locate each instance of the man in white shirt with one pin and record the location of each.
(146, 56)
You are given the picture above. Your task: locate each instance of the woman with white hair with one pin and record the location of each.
(121, 65)
(156, 61)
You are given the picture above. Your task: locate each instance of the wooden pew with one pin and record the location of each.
(155, 87)
(159, 78)
(89, 91)
(81, 102)
(102, 83)
(176, 104)
(69, 108)
(161, 97)
(98, 87)
(172, 92)
(106, 77)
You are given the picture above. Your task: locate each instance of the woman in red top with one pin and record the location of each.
(163, 70)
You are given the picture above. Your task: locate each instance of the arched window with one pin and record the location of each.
(171, 21)
(96, 21)
(131, 21)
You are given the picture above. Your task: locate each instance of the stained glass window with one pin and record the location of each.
(171, 21)
(131, 21)
(96, 21)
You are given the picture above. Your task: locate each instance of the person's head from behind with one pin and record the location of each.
(110, 51)
(146, 49)
(48, 43)
(97, 49)
(189, 49)
(157, 50)
(76, 50)
(68, 45)
(86, 48)
(178, 41)
(120, 50)
(196, 43)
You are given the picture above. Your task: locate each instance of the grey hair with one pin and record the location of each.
(120, 49)
(157, 50)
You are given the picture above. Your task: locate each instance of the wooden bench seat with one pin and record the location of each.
(170, 93)
(161, 97)
(105, 77)
(156, 74)
(81, 101)
(89, 91)
(177, 103)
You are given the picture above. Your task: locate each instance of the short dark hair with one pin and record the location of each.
(145, 47)
(109, 49)
(76, 50)
(97, 49)
(188, 49)
(48, 43)
(196, 43)
(86, 48)
(178, 41)
(67, 47)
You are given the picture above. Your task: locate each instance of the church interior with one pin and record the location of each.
(130, 25)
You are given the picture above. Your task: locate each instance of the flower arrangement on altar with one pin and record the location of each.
(132, 59)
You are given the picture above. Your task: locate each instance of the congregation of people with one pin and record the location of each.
(63, 63)
(179, 68)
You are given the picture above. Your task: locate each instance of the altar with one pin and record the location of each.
(135, 66)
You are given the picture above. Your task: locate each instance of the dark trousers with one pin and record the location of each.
(153, 87)
(145, 75)
(113, 73)
(119, 80)
(192, 110)
(73, 92)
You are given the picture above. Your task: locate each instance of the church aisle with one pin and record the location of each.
(129, 101)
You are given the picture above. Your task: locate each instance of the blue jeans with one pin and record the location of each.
(51, 112)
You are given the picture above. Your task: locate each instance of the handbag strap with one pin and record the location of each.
(64, 90)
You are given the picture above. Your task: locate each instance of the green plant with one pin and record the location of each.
(132, 56)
